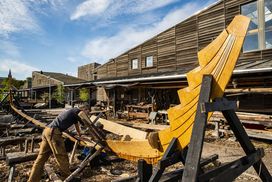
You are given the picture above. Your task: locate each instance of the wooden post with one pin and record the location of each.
(20, 147)
(4, 151)
(144, 170)
(51, 174)
(73, 152)
(114, 103)
(197, 138)
(245, 143)
(26, 145)
(7, 132)
(216, 129)
(32, 144)
(11, 173)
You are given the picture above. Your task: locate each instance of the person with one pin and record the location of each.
(53, 143)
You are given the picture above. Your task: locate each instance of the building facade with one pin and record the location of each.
(88, 71)
(161, 62)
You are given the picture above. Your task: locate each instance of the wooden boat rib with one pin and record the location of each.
(218, 59)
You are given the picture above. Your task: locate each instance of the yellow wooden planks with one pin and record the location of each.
(218, 59)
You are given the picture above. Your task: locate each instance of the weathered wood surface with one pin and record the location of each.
(16, 140)
(249, 90)
(4, 125)
(176, 48)
(259, 134)
(144, 126)
(19, 157)
(83, 164)
(121, 129)
(42, 125)
(22, 131)
(249, 118)
(51, 173)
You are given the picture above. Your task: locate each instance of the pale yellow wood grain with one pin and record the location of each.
(219, 59)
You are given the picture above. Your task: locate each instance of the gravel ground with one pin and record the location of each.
(227, 149)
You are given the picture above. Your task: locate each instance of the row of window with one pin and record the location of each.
(148, 62)
(259, 34)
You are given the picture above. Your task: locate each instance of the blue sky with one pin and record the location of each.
(60, 35)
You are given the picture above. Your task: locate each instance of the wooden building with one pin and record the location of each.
(87, 72)
(157, 67)
(46, 83)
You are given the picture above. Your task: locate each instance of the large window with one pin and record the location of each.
(259, 34)
(149, 61)
(134, 64)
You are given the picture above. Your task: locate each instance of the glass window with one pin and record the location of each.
(259, 35)
(251, 41)
(149, 61)
(268, 23)
(134, 64)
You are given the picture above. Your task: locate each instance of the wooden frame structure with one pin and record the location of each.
(192, 170)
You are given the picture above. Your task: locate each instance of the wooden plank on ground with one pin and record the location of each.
(16, 140)
(51, 174)
(20, 157)
(260, 134)
(119, 129)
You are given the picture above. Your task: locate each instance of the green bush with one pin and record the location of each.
(84, 94)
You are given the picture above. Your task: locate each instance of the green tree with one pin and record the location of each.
(59, 94)
(5, 85)
(84, 94)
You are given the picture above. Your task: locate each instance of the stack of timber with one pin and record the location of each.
(248, 118)
(257, 125)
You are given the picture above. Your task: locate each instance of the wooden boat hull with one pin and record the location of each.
(217, 59)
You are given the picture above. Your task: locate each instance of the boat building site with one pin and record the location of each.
(192, 103)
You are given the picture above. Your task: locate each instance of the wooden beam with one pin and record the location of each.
(73, 152)
(16, 140)
(11, 173)
(249, 90)
(259, 134)
(20, 157)
(86, 161)
(245, 143)
(119, 129)
(143, 125)
(51, 174)
(249, 118)
(193, 157)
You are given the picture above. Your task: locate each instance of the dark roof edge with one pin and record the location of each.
(178, 76)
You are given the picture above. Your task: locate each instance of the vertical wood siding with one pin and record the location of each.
(176, 48)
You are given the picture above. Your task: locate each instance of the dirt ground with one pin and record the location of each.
(227, 149)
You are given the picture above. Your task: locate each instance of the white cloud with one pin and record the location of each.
(19, 70)
(140, 6)
(90, 7)
(103, 48)
(15, 17)
(112, 8)
(8, 48)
